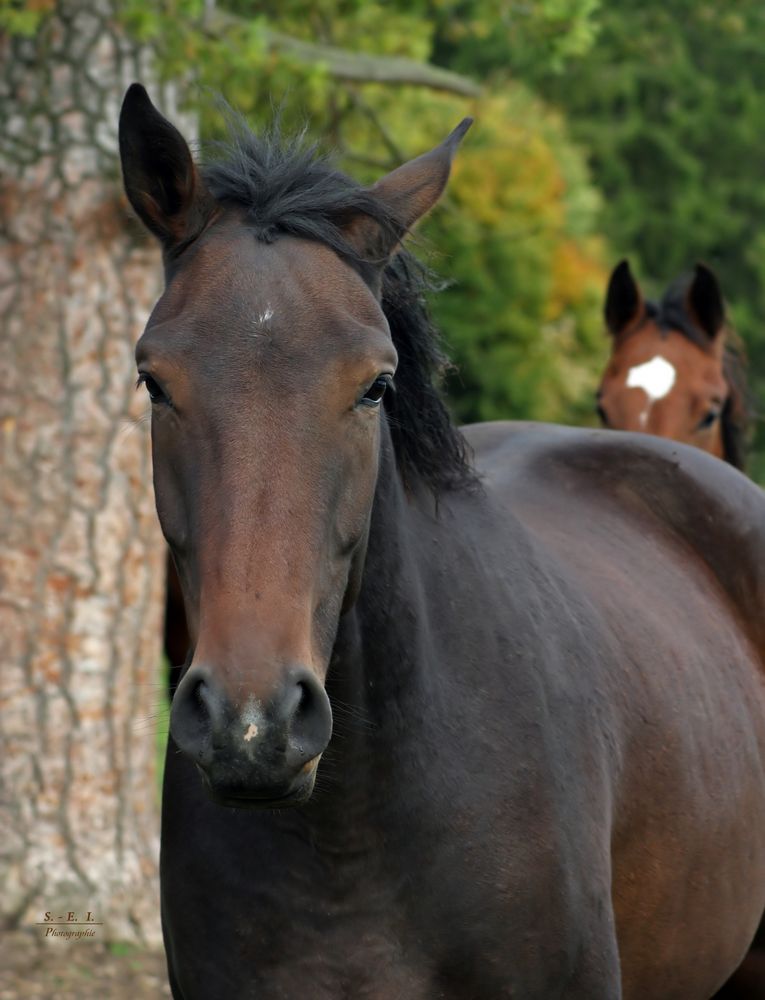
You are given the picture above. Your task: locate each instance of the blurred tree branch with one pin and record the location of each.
(358, 67)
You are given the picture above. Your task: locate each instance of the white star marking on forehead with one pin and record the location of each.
(655, 377)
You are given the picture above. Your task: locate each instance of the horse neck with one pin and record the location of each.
(378, 664)
(388, 617)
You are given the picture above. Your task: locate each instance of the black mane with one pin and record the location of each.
(671, 313)
(287, 187)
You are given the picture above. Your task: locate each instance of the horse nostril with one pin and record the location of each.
(302, 718)
(197, 701)
(198, 695)
(195, 712)
(310, 726)
(305, 700)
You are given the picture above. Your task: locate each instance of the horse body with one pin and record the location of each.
(545, 674)
(554, 827)
(632, 520)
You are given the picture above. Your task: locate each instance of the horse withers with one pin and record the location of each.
(676, 367)
(452, 727)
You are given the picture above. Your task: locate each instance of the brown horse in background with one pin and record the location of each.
(676, 369)
(470, 713)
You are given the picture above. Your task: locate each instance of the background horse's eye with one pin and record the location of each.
(601, 415)
(376, 391)
(156, 394)
(708, 419)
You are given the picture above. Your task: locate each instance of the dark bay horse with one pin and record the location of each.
(543, 666)
(676, 368)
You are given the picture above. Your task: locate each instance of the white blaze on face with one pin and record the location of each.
(656, 378)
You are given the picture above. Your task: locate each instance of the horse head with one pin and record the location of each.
(672, 370)
(266, 361)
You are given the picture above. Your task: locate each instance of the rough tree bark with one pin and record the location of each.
(81, 557)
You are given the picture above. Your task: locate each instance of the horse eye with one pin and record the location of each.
(376, 391)
(156, 393)
(601, 415)
(708, 419)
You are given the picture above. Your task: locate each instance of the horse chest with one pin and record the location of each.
(346, 960)
(299, 935)
(335, 928)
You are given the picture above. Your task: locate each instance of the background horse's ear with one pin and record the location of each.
(624, 301)
(705, 301)
(407, 193)
(161, 181)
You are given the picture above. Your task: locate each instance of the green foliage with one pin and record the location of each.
(24, 17)
(501, 37)
(522, 316)
(122, 949)
(670, 102)
(161, 724)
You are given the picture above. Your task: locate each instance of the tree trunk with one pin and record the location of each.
(81, 556)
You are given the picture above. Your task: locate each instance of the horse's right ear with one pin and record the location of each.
(705, 301)
(624, 301)
(161, 181)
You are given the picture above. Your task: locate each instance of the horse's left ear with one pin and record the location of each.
(705, 301)
(407, 193)
(624, 300)
(161, 181)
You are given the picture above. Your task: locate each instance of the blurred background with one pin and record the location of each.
(603, 130)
